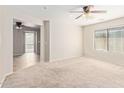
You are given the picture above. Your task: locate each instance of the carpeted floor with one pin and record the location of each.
(78, 73)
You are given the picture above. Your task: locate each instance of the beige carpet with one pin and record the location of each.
(78, 72)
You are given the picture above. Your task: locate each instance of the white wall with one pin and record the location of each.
(89, 51)
(1, 63)
(6, 32)
(65, 38)
(6, 43)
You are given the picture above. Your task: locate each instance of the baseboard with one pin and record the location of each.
(2, 81)
(54, 60)
(18, 54)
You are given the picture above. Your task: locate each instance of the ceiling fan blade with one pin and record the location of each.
(76, 11)
(98, 11)
(79, 16)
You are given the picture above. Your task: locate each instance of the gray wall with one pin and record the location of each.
(38, 42)
(19, 40)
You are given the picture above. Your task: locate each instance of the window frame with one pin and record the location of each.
(122, 27)
(94, 43)
(107, 49)
(26, 44)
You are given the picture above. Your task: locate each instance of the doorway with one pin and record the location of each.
(26, 45)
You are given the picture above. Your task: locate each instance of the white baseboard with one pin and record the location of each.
(54, 60)
(2, 81)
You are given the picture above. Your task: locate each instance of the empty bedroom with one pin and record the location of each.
(62, 46)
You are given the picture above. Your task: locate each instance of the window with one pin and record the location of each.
(110, 39)
(29, 42)
(101, 40)
(115, 40)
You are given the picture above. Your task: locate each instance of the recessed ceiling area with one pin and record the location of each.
(45, 12)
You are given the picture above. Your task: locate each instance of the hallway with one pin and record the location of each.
(26, 44)
(26, 60)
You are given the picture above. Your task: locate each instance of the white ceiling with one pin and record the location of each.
(45, 12)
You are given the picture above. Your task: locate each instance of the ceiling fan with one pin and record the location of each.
(87, 10)
(19, 25)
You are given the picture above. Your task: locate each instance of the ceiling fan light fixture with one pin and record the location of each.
(18, 25)
(87, 11)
